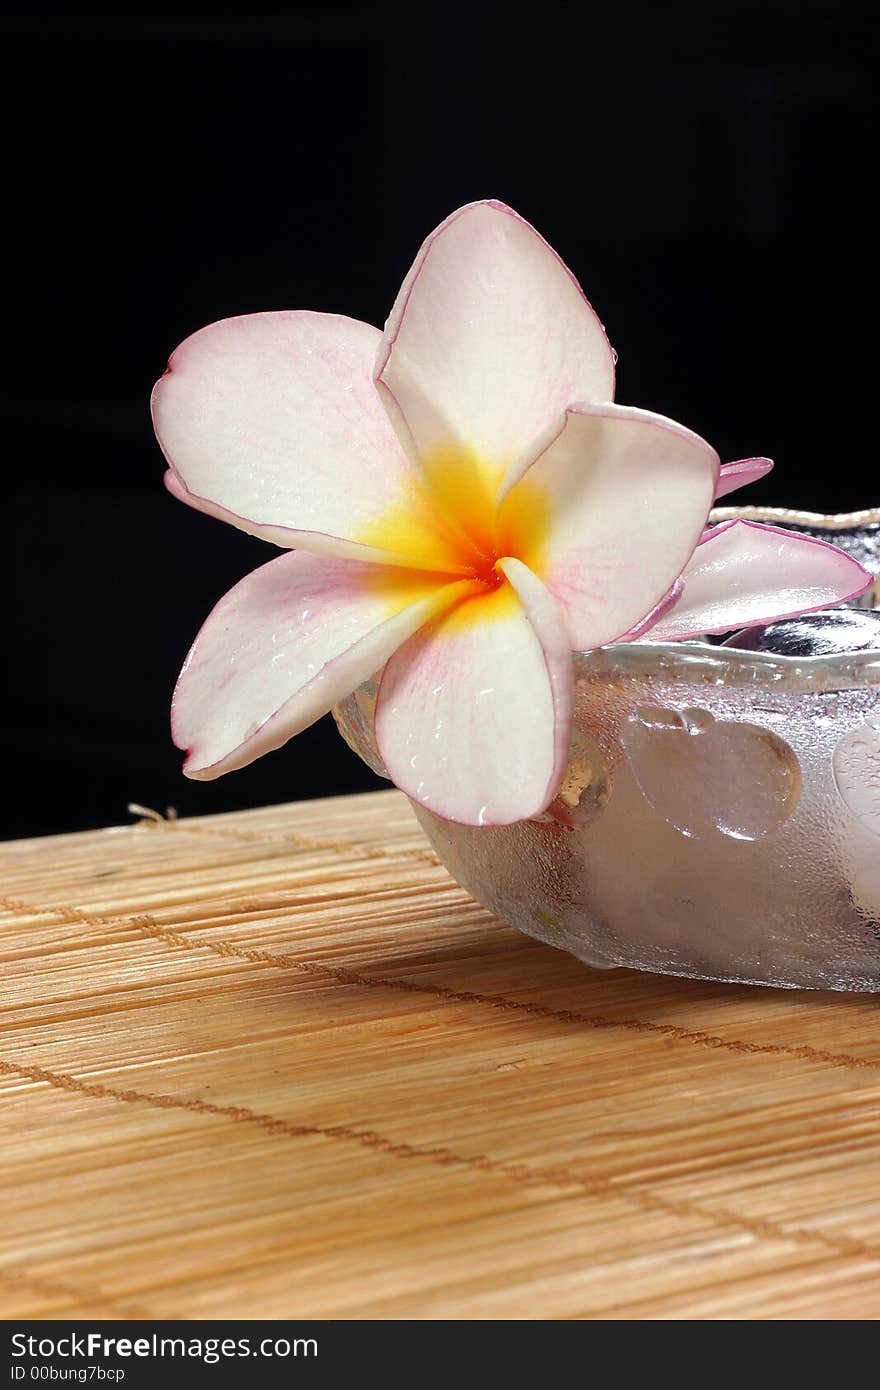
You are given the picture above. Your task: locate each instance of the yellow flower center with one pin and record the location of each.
(453, 525)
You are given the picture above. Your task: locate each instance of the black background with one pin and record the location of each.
(704, 169)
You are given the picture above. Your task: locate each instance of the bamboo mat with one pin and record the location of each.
(278, 1064)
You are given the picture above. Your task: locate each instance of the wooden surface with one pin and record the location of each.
(278, 1064)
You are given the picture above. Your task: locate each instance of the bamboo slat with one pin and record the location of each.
(277, 1064)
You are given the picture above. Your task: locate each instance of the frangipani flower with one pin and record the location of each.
(467, 506)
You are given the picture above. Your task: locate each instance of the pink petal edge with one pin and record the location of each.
(272, 422)
(450, 374)
(395, 318)
(315, 542)
(740, 473)
(628, 493)
(546, 618)
(831, 574)
(669, 600)
(283, 646)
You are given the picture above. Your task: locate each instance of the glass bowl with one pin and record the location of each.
(719, 817)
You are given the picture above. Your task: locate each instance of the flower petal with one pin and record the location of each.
(490, 338)
(669, 600)
(609, 515)
(273, 422)
(285, 645)
(473, 713)
(740, 474)
(744, 573)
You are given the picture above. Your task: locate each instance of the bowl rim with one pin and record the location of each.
(694, 662)
(791, 516)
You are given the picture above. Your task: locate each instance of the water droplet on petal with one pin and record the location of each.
(704, 775)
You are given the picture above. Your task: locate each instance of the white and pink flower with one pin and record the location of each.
(462, 505)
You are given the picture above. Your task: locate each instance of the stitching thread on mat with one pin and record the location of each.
(345, 975)
(293, 839)
(761, 1228)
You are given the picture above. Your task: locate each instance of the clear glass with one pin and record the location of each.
(719, 818)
